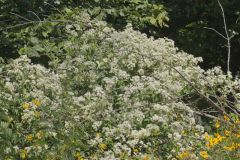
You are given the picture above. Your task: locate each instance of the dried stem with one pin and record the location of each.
(227, 36)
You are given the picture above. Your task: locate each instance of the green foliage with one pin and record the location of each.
(20, 20)
(186, 26)
(54, 113)
(106, 94)
(115, 93)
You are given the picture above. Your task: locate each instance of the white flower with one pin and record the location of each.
(176, 136)
(46, 146)
(97, 124)
(159, 107)
(158, 118)
(9, 86)
(141, 72)
(170, 135)
(7, 150)
(200, 128)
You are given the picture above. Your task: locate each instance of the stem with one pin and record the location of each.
(227, 36)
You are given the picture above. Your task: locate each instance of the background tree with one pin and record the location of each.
(187, 21)
(186, 26)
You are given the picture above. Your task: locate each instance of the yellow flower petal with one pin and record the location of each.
(204, 154)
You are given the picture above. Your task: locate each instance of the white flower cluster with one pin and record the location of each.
(119, 97)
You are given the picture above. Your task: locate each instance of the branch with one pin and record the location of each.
(20, 16)
(54, 7)
(33, 22)
(216, 32)
(35, 15)
(227, 36)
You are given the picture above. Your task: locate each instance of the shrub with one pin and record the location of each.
(113, 95)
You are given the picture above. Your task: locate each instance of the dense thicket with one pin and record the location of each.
(111, 94)
(186, 26)
(92, 80)
(18, 15)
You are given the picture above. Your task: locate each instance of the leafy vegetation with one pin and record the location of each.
(183, 21)
(84, 83)
(22, 14)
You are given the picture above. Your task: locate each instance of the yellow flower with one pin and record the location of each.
(29, 137)
(233, 146)
(204, 154)
(208, 145)
(146, 158)
(217, 124)
(184, 155)
(23, 153)
(237, 121)
(227, 133)
(219, 137)
(238, 135)
(207, 137)
(36, 102)
(226, 118)
(135, 150)
(78, 156)
(102, 146)
(37, 114)
(25, 106)
(228, 148)
(214, 141)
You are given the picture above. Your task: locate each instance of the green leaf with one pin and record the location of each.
(153, 21)
(34, 40)
(45, 34)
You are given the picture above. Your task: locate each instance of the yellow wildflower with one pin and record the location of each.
(78, 156)
(214, 141)
(29, 137)
(36, 102)
(146, 158)
(217, 124)
(238, 135)
(25, 106)
(23, 153)
(237, 121)
(219, 137)
(231, 148)
(227, 133)
(226, 118)
(135, 150)
(208, 145)
(207, 137)
(102, 146)
(204, 154)
(37, 114)
(184, 155)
